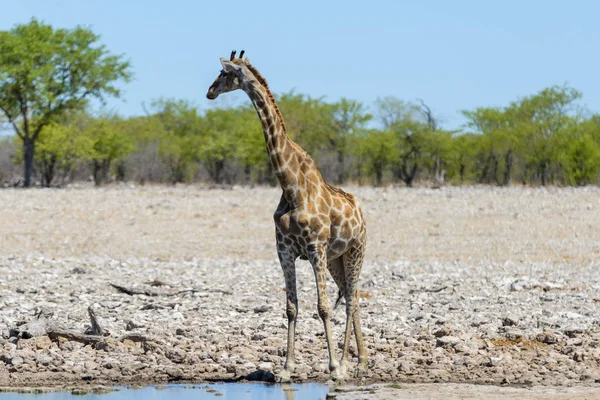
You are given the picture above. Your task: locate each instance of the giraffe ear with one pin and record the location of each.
(247, 61)
(228, 66)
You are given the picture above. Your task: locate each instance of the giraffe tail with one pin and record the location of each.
(339, 299)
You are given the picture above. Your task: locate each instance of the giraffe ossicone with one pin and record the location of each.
(313, 221)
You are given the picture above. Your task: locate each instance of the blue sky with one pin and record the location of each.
(454, 55)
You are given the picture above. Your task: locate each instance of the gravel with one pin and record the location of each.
(471, 284)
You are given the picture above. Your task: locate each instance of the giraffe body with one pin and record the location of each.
(313, 221)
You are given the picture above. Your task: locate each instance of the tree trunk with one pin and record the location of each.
(48, 171)
(494, 171)
(409, 176)
(269, 178)
(508, 161)
(378, 175)
(219, 167)
(342, 172)
(101, 171)
(28, 154)
(407, 171)
(247, 173)
(121, 171)
(544, 173)
(178, 172)
(439, 173)
(524, 174)
(216, 171)
(490, 170)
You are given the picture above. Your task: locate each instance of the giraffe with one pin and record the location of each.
(314, 221)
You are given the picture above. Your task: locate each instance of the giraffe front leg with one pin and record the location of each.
(289, 272)
(319, 264)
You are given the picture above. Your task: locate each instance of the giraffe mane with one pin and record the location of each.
(264, 83)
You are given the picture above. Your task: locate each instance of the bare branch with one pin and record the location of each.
(12, 121)
(95, 329)
(145, 109)
(132, 291)
(74, 336)
(428, 114)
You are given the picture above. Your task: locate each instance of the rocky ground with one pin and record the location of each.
(477, 284)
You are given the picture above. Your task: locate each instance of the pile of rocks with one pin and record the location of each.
(422, 323)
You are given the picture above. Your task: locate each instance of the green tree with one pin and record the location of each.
(390, 111)
(180, 130)
(463, 152)
(59, 147)
(406, 122)
(437, 148)
(348, 118)
(497, 144)
(376, 149)
(308, 121)
(145, 163)
(47, 72)
(249, 144)
(218, 142)
(437, 144)
(579, 153)
(543, 118)
(108, 144)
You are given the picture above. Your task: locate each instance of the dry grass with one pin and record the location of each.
(524, 344)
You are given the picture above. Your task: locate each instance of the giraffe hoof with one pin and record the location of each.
(283, 377)
(360, 372)
(339, 374)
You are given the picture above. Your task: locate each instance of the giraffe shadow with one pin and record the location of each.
(258, 376)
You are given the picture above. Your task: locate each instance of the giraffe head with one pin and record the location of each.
(235, 71)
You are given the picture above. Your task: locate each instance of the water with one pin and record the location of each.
(216, 391)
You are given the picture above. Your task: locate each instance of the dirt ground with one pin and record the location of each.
(481, 224)
(479, 285)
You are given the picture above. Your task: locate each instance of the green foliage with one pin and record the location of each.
(308, 121)
(406, 123)
(375, 150)
(498, 129)
(348, 117)
(59, 148)
(390, 111)
(544, 118)
(539, 139)
(437, 150)
(580, 154)
(218, 141)
(249, 145)
(526, 139)
(178, 126)
(108, 145)
(461, 162)
(47, 72)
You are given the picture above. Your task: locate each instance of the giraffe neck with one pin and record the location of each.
(283, 152)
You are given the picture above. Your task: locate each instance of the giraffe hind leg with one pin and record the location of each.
(353, 260)
(336, 269)
(320, 264)
(338, 273)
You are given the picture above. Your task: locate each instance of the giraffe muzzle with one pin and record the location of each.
(211, 95)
